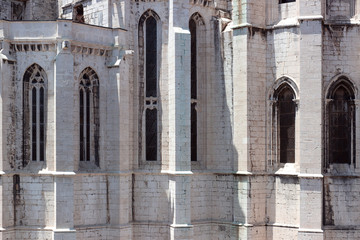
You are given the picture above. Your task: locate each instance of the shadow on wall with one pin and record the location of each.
(231, 199)
(340, 10)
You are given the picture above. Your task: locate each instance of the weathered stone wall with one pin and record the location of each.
(341, 210)
(340, 10)
(341, 204)
(29, 10)
(94, 12)
(237, 189)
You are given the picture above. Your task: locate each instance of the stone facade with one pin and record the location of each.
(239, 187)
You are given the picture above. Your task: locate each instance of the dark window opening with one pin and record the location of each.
(79, 14)
(193, 79)
(340, 111)
(87, 124)
(192, 26)
(34, 123)
(151, 134)
(89, 119)
(193, 132)
(82, 136)
(42, 125)
(16, 184)
(151, 57)
(85, 118)
(286, 1)
(151, 112)
(286, 110)
(17, 11)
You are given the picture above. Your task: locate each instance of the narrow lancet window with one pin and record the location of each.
(341, 118)
(89, 116)
(148, 47)
(286, 111)
(151, 57)
(34, 114)
(193, 33)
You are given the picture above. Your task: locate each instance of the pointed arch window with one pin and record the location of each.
(149, 97)
(341, 123)
(34, 97)
(286, 127)
(283, 123)
(197, 82)
(192, 27)
(89, 118)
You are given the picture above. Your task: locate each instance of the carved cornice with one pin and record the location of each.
(89, 50)
(32, 47)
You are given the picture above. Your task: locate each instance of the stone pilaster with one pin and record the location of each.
(63, 137)
(179, 121)
(311, 103)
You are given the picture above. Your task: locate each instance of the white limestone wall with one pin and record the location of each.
(282, 58)
(201, 198)
(341, 234)
(96, 12)
(341, 202)
(7, 201)
(341, 207)
(34, 10)
(91, 203)
(249, 12)
(34, 207)
(281, 13)
(150, 232)
(256, 99)
(217, 122)
(151, 199)
(340, 53)
(340, 10)
(284, 204)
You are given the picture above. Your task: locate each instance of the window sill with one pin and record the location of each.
(289, 169)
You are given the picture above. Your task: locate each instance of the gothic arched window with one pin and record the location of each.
(34, 96)
(89, 118)
(192, 27)
(149, 97)
(286, 108)
(282, 138)
(197, 82)
(341, 123)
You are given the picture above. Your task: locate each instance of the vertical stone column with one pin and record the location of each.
(249, 61)
(179, 121)
(2, 148)
(7, 85)
(119, 157)
(241, 133)
(63, 144)
(240, 83)
(311, 103)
